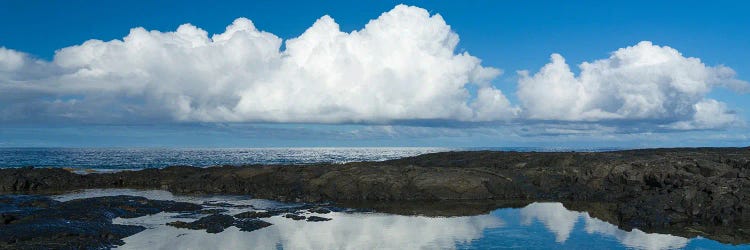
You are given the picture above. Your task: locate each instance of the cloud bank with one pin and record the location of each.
(401, 67)
(641, 82)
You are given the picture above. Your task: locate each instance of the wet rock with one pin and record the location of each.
(225, 204)
(7, 218)
(187, 216)
(37, 222)
(320, 210)
(317, 218)
(294, 216)
(255, 214)
(129, 206)
(215, 223)
(213, 211)
(249, 225)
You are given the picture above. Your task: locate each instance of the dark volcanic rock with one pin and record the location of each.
(294, 216)
(446, 208)
(652, 188)
(251, 225)
(129, 206)
(225, 204)
(317, 218)
(215, 223)
(213, 211)
(255, 214)
(320, 210)
(36, 222)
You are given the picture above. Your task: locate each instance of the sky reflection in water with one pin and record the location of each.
(537, 226)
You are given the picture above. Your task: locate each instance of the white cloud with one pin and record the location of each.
(400, 66)
(641, 82)
(10, 60)
(708, 114)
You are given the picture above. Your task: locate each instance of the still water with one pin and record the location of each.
(542, 225)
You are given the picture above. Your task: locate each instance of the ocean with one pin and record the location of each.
(140, 158)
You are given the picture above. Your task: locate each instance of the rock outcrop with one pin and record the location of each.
(651, 188)
(37, 222)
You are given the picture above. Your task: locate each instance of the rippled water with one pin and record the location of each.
(137, 158)
(545, 225)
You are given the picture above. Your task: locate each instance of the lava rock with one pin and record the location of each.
(320, 210)
(317, 218)
(38, 222)
(251, 225)
(213, 211)
(255, 214)
(652, 188)
(225, 204)
(294, 217)
(215, 223)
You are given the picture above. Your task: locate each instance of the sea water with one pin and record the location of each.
(139, 158)
(539, 225)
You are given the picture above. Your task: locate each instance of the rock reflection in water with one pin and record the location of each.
(561, 222)
(345, 231)
(539, 225)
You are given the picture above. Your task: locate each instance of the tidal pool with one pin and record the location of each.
(539, 225)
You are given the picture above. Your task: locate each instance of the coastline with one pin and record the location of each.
(699, 190)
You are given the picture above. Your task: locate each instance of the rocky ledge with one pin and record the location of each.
(652, 188)
(39, 222)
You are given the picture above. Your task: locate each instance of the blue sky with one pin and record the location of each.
(506, 36)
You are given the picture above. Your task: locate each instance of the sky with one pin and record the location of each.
(577, 74)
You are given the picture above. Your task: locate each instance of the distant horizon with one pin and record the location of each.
(458, 149)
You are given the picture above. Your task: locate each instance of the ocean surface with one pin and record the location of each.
(139, 158)
(539, 225)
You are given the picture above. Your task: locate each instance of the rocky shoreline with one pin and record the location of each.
(700, 189)
(39, 222)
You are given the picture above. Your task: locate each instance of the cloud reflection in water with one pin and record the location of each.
(501, 228)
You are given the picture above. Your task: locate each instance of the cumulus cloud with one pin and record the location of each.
(643, 82)
(10, 60)
(400, 66)
(708, 114)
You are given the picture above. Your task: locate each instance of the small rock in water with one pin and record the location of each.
(251, 225)
(317, 218)
(215, 223)
(320, 210)
(187, 216)
(254, 214)
(225, 204)
(294, 217)
(8, 218)
(213, 211)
